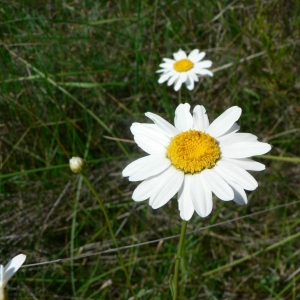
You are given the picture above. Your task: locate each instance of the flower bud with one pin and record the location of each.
(77, 164)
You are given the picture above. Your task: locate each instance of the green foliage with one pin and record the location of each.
(74, 77)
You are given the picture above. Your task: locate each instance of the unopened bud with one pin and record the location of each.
(77, 164)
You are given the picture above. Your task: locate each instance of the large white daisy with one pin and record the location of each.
(184, 69)
(194, 159)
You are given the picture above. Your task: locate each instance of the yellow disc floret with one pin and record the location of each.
(183, 65)
(193, 151)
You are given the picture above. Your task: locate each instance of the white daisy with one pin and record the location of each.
(194, 159)
(184, 69)
(8, 271)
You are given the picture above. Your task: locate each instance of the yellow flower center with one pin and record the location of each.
(183, 65)
(193, 151)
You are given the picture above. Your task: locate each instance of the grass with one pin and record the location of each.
(75, 73)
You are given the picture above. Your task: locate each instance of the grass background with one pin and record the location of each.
(73, 73)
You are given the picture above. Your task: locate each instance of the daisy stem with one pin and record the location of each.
(73, 233)
(178, 259)
(179, 96)
(120, 258)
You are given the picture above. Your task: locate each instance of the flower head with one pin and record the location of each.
(9, 270)
(184, 69)
(77, 164)
(194, 159)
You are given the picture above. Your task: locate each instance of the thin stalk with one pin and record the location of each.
(178, 259)
(179, 96)
(120, 258)
(73, 228)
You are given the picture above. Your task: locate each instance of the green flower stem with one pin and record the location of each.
(91, 187)
(178, 259)
(73, 228)
(179, 96)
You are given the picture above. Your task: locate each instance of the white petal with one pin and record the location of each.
(245, 149)
(190, 83)
(183, 119)
(173, 72)
(146, 188)
(139, 163)
(225, 121)
(217, 184)
(164, 77)
(240, 196)
(203, 64)
(201, 196)
(173, 78)
(203, 72)
(167, 65)
(195, 57)
(236, 138)
(246, 163)
(179, 55)
(148, 166)
(168, 60)
(165, 126)
(12, 267)
(234, 173)
(234, 128)
(162, 71)
(193, 54)
(185, 202)
(151, 131)
(192, 75)
(171, 181)
(200, 117)
(183, 77)
(178, 84)
(169, 72)
(149, 145)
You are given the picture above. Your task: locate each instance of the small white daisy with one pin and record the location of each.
(184, 69)
(8, 271)
(194, 159)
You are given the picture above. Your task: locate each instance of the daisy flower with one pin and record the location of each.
(194, 159)
(184, 69)
(8, 271)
